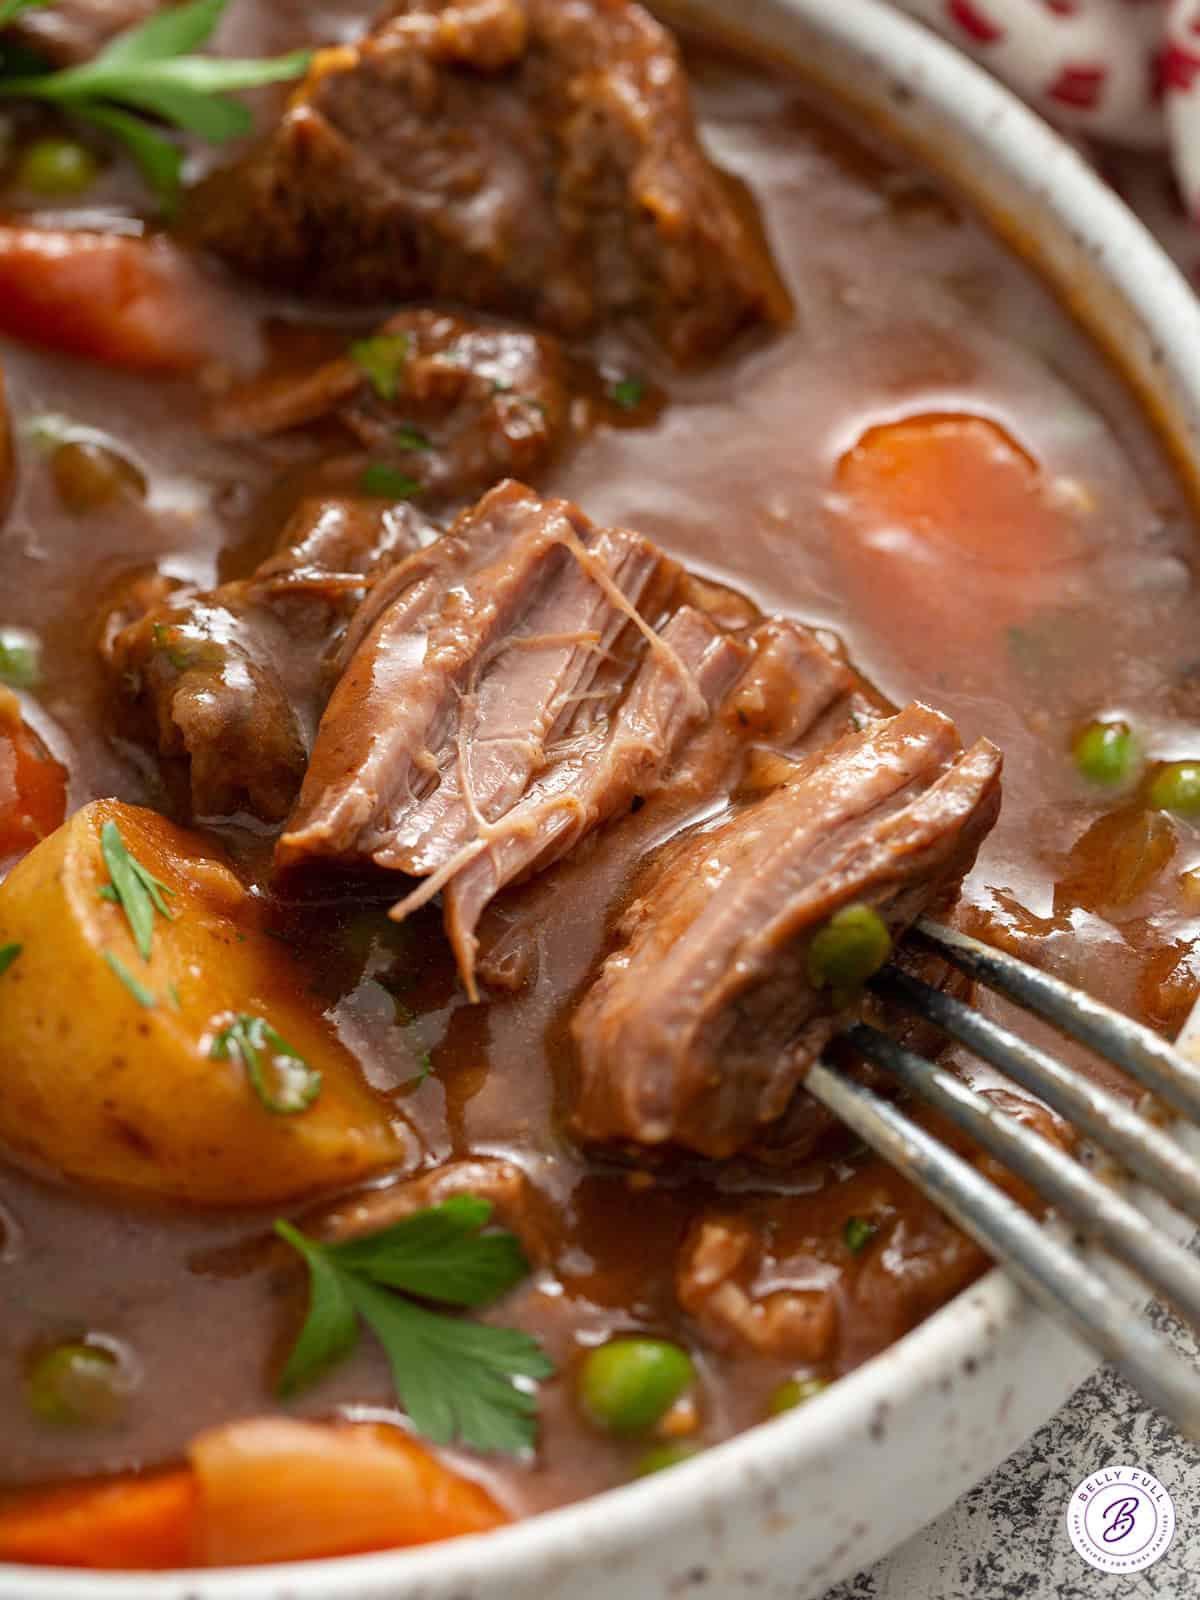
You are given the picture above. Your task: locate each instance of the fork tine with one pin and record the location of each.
(1167, 1073)
(1057, 1177)
(1137, 1143)
(1046, 1269)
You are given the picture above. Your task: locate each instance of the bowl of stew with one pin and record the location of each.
(518, 582)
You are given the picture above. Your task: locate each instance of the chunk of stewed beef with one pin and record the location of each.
(229, 683)
(449, 406)
(702, 1023)
(832, 1282)
(72, 31)
(518, 683)
(536, 158)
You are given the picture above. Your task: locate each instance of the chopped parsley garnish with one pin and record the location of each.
(458, 1380)
(389, 483)
(143, 996)
(279, 1075)
(167, 640)
(858, 1233)
(382, 359)
(8, 954)
(20, 659)
(134, 888)
(410, 438)
(146, 77)
(628, 393)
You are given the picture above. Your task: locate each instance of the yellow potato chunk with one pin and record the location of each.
(112, 1069)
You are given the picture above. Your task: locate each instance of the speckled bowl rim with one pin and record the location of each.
(1133, 297)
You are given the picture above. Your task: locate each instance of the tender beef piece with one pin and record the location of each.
(775, 1274)
(231, 682)
(537, 158)
(71, 31)
(793, 694)
(517, 684)
(458, 406)
(516, 1203)
(703, 1022)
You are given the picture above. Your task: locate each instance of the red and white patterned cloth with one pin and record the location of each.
(1125, 74)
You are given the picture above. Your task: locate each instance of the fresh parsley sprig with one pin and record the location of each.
(134, 888)
(150, 71)
(279, 1075)
(458, 1380)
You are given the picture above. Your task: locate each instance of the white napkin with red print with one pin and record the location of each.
(1123, 73)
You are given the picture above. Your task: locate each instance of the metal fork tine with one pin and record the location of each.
(1056, 1176)
(1165, 1072)
(1046, 1269)
(1114, 1124)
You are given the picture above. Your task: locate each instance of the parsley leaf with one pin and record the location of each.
(20, 659)
(628, 393)
(330, 1330)
(135, 888)
(148, 70)
(8, 954)
(409, 437)
(143, 996)
(858, 1233)
(388, 482)
(455, 1378)
(279, 1075)
(382, 359)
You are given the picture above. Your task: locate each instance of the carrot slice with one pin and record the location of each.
(273, 1489)
(132, 1524)
(949, 532)
(125, 301)
(33, 786)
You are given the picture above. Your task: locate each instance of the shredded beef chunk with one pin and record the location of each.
(230, 683)
(862, 1262)
(513, 686)
(451, 406)
(536, 158)
(702, 1024)
(71, 31)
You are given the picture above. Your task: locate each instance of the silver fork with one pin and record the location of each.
(1042, 1263)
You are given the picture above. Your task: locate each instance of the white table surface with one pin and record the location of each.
(1007, 1539)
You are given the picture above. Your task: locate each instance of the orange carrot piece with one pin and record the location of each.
(274, 1489)
(960, 481)
(33, 786)
(125, 301)
(129, 1524)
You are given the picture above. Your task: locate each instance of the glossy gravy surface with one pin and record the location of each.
(904, 306)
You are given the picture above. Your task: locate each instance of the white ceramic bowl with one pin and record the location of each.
(792, 1506)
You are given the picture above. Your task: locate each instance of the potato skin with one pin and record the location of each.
(106, 1091)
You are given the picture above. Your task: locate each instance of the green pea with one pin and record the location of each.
(628, 1384)
(794, 1393)
(1176, 787)
(852, 945)
(57, 166)
(1106, 752)
(664, 1456)
(76, 1384)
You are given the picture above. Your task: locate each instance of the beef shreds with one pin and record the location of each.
(849, 1272)
(230, 683)
(450, 406)
(702, 1024)
(535, 158)
(513, 686)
